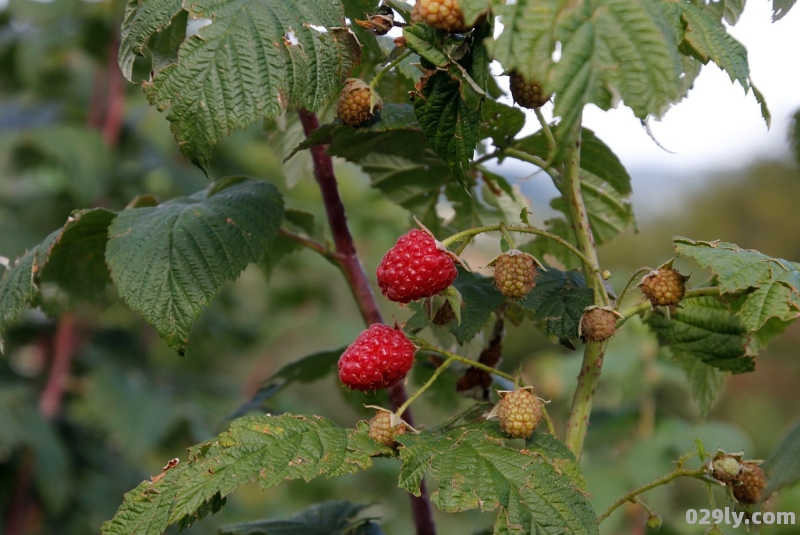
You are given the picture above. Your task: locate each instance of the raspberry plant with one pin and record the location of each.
(271, 60)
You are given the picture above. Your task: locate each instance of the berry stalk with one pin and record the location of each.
(442, 367)
(359, 284)
(374, 82)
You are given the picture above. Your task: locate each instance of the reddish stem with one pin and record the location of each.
(360, 286)
(64, 344)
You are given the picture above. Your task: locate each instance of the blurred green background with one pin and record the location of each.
(73, 135)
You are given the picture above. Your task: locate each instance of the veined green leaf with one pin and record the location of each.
(329, 518)
(727, 10)
(558, 454)
(558, 299)
(706, 329)
(169, 261)
(780, 8)
(705, 380)
(449, 124)
(253, 61)
(71, 259)
(263, 449)
(475, 471)
(783, 465)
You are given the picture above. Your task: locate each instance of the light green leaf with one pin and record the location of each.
(706, 329)
(473, 9)
(475, 471)
(557, 453)
(705, 381)
(706, 39)
(329, 518)
(426, 42)
(449, 124)
(255, 60)
(262, 449)
(783, 465)
(773, 284)
(610, 50)
(729, 10)
(169, 261)
(780, 8)
(558, 300)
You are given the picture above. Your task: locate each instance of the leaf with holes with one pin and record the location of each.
(169, 261)
(262, 449)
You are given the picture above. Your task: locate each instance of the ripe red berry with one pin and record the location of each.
(379, 357)
(416, 267)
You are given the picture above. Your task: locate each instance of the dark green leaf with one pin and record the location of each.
(426, 42)
(706, 329)
(306, 370)
(143, 18)
(481, 298)
(254, 60)
(475, 471)
(704, 380)
(165, 43)
(450, 126)
(500, 122)
(263, 449)
(329, 518)
(559, 299)
(557, 453)
(783, 466)
(169, 261)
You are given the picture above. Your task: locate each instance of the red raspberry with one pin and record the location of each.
(416, 267)
(378, 358)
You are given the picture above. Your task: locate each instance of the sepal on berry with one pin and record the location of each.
(385, 426)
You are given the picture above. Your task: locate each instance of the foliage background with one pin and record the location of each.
(73, 134)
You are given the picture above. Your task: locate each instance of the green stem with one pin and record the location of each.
(426, 386)
(551, 141)
(593, 352)
(535, 160)
(507, 236)
(628, 285)
(709, 291)
(697, 474)
(472, 232)
(389, 66)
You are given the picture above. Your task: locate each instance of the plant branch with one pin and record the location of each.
(442, 367)
(593, 352)
(535, 160)
(628, 285)
(551, 141)
(471, 233)
(697, 474)
(374, 83)
(314, 246)
(708, 291)
(362, 291)
(65, 343)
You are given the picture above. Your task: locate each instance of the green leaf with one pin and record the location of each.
(500, 122)
(165, 43)
(705, 329)
(558, 300)
(773, 284)
(473, 9)
(329, 518)
(255, 60)
(610, 50)
(475, 470)
(481, 298)
(169, 261)
(70, 259)
(783, 466)
(143, 18)
(557, 454)
(262, 449)
(729, 10)
(780, 8)
(306, 370)
(706, 39)
(426, 42)
(705, 380)
(449, 124)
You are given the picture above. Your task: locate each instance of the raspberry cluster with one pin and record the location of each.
(514, 273)
(384, 426)
(379, 357)
(528, 94)
(357, 103)
(519, 413)
(442, 14)
(664, 287)
(598, 324)
(416, 266)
